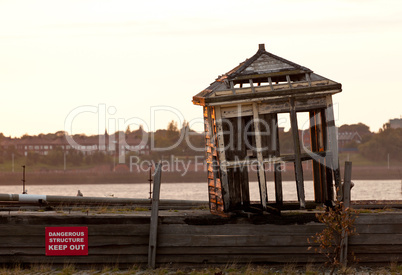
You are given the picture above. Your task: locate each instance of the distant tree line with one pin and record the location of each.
(180, 142)
(185, 142)
(387, 142)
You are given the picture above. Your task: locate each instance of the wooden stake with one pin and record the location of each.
(346, 204)
(153, 232)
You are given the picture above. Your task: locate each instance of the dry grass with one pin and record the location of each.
(228, 269)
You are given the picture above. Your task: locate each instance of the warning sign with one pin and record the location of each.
(66, 241)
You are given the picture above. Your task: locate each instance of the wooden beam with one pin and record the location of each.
(289, 81)
(260, 165)
(240, 150)
(274, 107)
(316, 166)
(251, 85)
(347, 184)
(325, 172)
(255, 76)
(298, 164)
(270, 83)
(213, 175)
(275, 160)
(308, 79)
(326, 168)
(232, 88)
(265, 92)
(153, 231)
(222, 158)
(333, 145)
(317, 146)
(273, 99)
(346, 204)
(277, 166)
(312, 86)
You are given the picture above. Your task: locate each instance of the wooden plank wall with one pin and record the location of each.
(379, 238)
(112, 240)
(123, 239)
(236, 243)
(216, 203)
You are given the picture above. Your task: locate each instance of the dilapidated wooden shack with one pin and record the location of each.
(241, 111)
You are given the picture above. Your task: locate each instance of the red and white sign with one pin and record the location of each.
(66, 241)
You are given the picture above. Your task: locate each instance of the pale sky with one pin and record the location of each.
(91, 64)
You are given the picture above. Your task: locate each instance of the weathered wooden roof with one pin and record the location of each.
(263, 63)
(264, 75)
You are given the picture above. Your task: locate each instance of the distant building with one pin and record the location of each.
(345, 138)
(106, 144)
(395, 123)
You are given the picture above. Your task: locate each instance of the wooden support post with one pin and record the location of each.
(289, 82)
(326, 167)
(241, 173)
(210, 159)
(153, 232)
(277, 166)
(346, 204)
(251, 85)
(308, 79)
(261, 170)
(222, 157)
(232, 87)
(270, 83)
(333, 144)
(317, 145)
(347, 185)
(298, 164)
(318, 194)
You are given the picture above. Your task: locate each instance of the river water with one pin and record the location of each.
(363, 190)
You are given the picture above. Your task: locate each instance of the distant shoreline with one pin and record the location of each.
(108, 177)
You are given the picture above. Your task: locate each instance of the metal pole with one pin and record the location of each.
(388, 160)
(23, 180)
(64, 161)
(76, 200)
(150, 181)
(114, 162)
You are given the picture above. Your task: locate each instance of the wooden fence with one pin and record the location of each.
(195, 237)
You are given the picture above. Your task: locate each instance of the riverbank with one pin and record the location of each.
(99, 176)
